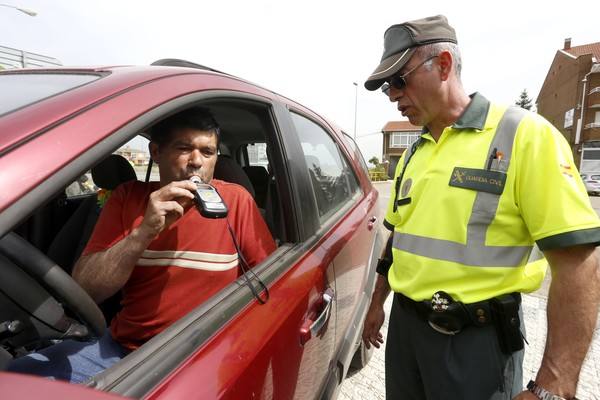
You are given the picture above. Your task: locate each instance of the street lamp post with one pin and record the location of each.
(23, 10)
(355, 105)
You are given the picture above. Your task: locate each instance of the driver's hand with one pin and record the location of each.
(166, 205)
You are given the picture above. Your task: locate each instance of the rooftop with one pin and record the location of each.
(400, 126)
(591, 48)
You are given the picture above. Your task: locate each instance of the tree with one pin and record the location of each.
(375, 161)
(524, 101)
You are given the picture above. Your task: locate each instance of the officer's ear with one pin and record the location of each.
(445, 64)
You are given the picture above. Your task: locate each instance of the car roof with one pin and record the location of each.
(19, 125)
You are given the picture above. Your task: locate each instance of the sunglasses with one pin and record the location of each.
(399, 81)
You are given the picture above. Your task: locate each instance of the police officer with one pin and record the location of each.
(477, 195)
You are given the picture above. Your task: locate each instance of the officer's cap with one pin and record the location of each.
(400, 42)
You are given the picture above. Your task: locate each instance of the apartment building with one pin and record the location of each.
(570, 99)
(397, 137)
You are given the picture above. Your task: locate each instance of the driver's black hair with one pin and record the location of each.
(197, 118)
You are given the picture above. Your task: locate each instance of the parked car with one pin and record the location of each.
(592, 183)
(59, 125)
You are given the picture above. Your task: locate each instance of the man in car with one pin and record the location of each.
(481, 187)
(151, 243)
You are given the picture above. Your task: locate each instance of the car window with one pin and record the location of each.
(333, 182)
(359, 154)
(19, 90)
(137, 155)
(81, 186)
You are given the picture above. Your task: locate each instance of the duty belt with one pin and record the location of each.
(448, 316)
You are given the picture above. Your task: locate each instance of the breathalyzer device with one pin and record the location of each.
(209, 202)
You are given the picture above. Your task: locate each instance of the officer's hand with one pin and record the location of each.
(373, 322)
(525, 395)
(166, 205)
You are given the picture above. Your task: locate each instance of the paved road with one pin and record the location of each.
(369, 383)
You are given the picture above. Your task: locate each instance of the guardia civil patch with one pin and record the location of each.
(481, 180)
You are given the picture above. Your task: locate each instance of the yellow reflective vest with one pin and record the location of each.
(470, 207)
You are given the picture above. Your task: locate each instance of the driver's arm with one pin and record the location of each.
(104, 273)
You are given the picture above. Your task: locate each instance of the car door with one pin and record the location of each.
(232, 347)
(349, 212)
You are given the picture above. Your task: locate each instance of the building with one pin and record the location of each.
(397, 137)
(13, 58)
(570, 100)
(135, 156)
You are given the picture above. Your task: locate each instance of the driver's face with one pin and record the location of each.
(189, 152)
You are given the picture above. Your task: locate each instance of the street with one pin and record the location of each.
(369, 384)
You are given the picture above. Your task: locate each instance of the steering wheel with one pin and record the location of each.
(46, 287)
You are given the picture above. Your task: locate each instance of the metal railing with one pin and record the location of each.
(13, 58)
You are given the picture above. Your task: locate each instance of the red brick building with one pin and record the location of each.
(397, 137)
(570, 99)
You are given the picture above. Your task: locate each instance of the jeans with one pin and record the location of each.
(71, 360)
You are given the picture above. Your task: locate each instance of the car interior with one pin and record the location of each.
(32, 315)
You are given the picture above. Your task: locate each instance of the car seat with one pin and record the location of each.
(228, 170)
(67, 246)
(259, 177)
(72, 238)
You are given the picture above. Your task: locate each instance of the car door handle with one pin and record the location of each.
(371, 222)
(311, 328)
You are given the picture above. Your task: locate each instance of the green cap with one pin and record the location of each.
(400, 42)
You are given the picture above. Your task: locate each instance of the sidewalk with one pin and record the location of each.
(369, 384)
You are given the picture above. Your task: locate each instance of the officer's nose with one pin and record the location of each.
(395, 94)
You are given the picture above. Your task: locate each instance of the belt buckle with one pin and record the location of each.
(440, 301)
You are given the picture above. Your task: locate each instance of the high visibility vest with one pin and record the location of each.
(470, 208)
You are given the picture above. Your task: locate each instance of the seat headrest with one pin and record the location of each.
(230, 171)
(112, 171)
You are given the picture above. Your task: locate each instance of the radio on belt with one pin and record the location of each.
(209, 202)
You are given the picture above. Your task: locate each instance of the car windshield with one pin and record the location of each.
(19, 90)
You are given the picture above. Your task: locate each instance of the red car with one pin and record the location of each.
(58, 129)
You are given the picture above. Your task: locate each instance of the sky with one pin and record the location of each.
(310, 51)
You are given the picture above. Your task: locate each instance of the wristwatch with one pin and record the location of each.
(543, 394)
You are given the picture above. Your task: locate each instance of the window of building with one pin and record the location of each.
(403, 140)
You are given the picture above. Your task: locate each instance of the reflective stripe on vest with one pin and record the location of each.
(475, 252)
